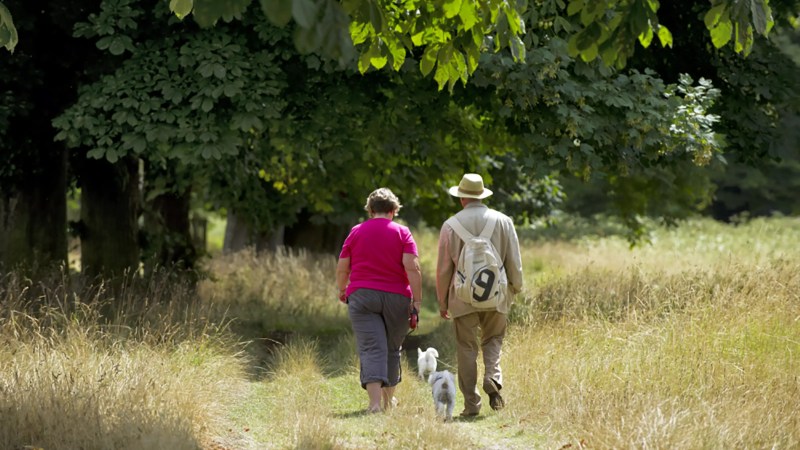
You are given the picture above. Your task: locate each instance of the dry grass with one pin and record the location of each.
(155, 375)
(281, 291)
(689, 342)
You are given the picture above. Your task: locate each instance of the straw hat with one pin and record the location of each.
(471, 186)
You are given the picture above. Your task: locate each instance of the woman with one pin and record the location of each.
(379, 277)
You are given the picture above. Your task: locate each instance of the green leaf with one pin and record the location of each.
(646, 37)
(473, 55)
(377, 58)
(306, 40)
(561, 23)
(398, 54)
(575, 6)
(442, 75)
(468, 14)
(638, 21)
(5, 34)
(8, 33)
(304, 12)
(452, 8)
(428, 60)
(96, 153)
(206, 70)
(517, 48)
(112, 156)
(713, 15)
(416, 39)
(219, 71)
(363, 62)
(279, 12)
(376, 17)
(721, 33)
(119, 44)
(359, 32)
(590, 53)
(104, 42)
(181, 8)
(572, 45)
(761, 15)
(588, 37)
(665, 36)
(608, 53)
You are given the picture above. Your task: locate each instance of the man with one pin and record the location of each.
(469, 319)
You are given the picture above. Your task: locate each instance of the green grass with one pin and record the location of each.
(691, 341)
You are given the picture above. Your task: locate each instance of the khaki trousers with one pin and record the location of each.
(492, 326)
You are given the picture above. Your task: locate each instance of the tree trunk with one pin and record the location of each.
(33, 218)
(109, 214)
(239, 235)
(315, 237)
(174, 243)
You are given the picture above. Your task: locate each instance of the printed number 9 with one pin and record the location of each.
(484, 280)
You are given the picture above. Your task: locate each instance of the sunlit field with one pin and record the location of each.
(689, 341)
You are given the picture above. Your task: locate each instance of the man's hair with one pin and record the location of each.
(382, 201)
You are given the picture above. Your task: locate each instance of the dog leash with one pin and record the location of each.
(413, 320)
(438, 361)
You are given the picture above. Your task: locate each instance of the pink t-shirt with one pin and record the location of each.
(375, 248)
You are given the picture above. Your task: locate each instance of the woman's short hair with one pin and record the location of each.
(382, 201)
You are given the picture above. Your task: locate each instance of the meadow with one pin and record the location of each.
(690, 341)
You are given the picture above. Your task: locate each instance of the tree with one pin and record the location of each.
(759, 100)
(36, 84)
(275, 128)
(268, 134)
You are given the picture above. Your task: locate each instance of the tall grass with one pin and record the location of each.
(690, 341)
(285, 291)
(84, 367)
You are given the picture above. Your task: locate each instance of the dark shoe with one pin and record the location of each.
(496, 401)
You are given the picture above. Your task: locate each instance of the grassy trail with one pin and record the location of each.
(327, 411)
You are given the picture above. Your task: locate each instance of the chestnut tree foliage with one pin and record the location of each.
(271, 131)
(292, 111)
(452, 34)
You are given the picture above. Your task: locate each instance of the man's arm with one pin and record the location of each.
(444, 271)
(513, 261)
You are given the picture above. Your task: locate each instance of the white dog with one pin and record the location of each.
(426, 361)
(443, 387)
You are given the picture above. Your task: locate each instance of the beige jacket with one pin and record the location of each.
(504, 239)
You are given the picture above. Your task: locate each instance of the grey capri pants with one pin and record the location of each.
(380, 324)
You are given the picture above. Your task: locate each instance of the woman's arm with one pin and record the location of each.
(342, 275)
(411, 264)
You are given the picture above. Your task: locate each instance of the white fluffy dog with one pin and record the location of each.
(443, 387)
(426, 361)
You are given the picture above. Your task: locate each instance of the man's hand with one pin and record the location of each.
(444, 314)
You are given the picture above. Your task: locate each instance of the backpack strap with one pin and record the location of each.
(465, 235)
(459, 229)
(488, 229)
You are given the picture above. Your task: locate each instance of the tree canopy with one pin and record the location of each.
(451, 34)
